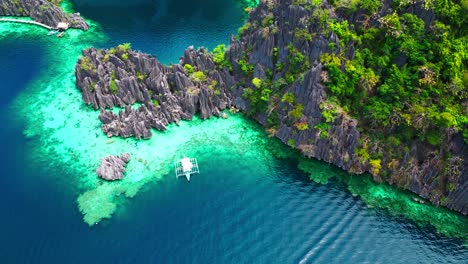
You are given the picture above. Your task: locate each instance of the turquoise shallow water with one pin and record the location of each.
(246, 206)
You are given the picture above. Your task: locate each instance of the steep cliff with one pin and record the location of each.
(306, 71)
(312, 73)
(42, 11)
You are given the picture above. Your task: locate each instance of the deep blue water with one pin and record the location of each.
(21, 62)
(219, 217)
(166, 29)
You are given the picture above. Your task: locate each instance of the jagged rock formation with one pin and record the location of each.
(121, 77)
(265, 45)
(41, 11)
(113, 167)
(268, 44)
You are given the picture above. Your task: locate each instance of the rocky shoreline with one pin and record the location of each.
(122, 77)
(41, 11)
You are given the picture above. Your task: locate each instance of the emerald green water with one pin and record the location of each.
(249, 202)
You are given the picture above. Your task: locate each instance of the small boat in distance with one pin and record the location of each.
(185, 167)
(61, 34)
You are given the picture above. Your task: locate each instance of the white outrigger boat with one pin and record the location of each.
(186, 167)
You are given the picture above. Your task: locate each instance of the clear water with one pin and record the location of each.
(246, 206)
(166, 27)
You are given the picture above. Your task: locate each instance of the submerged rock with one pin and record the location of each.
(42, 11)
(113, 167)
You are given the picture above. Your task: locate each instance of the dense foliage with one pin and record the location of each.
(401, 77)
(406, 78)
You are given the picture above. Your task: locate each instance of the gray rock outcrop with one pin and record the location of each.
(120, 77)
(113, 167)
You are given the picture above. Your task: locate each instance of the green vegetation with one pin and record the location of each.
(188, 68)
(329, 110)
(198, 76)
(141, 76)
(296, 112)
(213, 85)
(121, 50)
(246, 67)
(258, 97)
(243, 29)
(106, 58)
(268, 21)
(375, 166)
(257, 82)
(307, 4)
(406, 81)
(323, 128)
(219, 57)
(400, 79)
(362, 154)
(298, 63)
(87, 65)
(303, 34)
(113, 84)
(301, 126)
(125, 47)
(288, 97)
(265, 94)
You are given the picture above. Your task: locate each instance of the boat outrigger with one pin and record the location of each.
(185, 167)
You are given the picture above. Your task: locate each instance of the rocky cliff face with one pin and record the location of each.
(122, 77)
(276, 31)
(41, 11)
(261, 76)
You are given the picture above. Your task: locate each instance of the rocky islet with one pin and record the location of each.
(113, 167)
(122, 77)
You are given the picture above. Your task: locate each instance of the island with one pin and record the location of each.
(122, 77)
(353, 85)
(48, 13)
